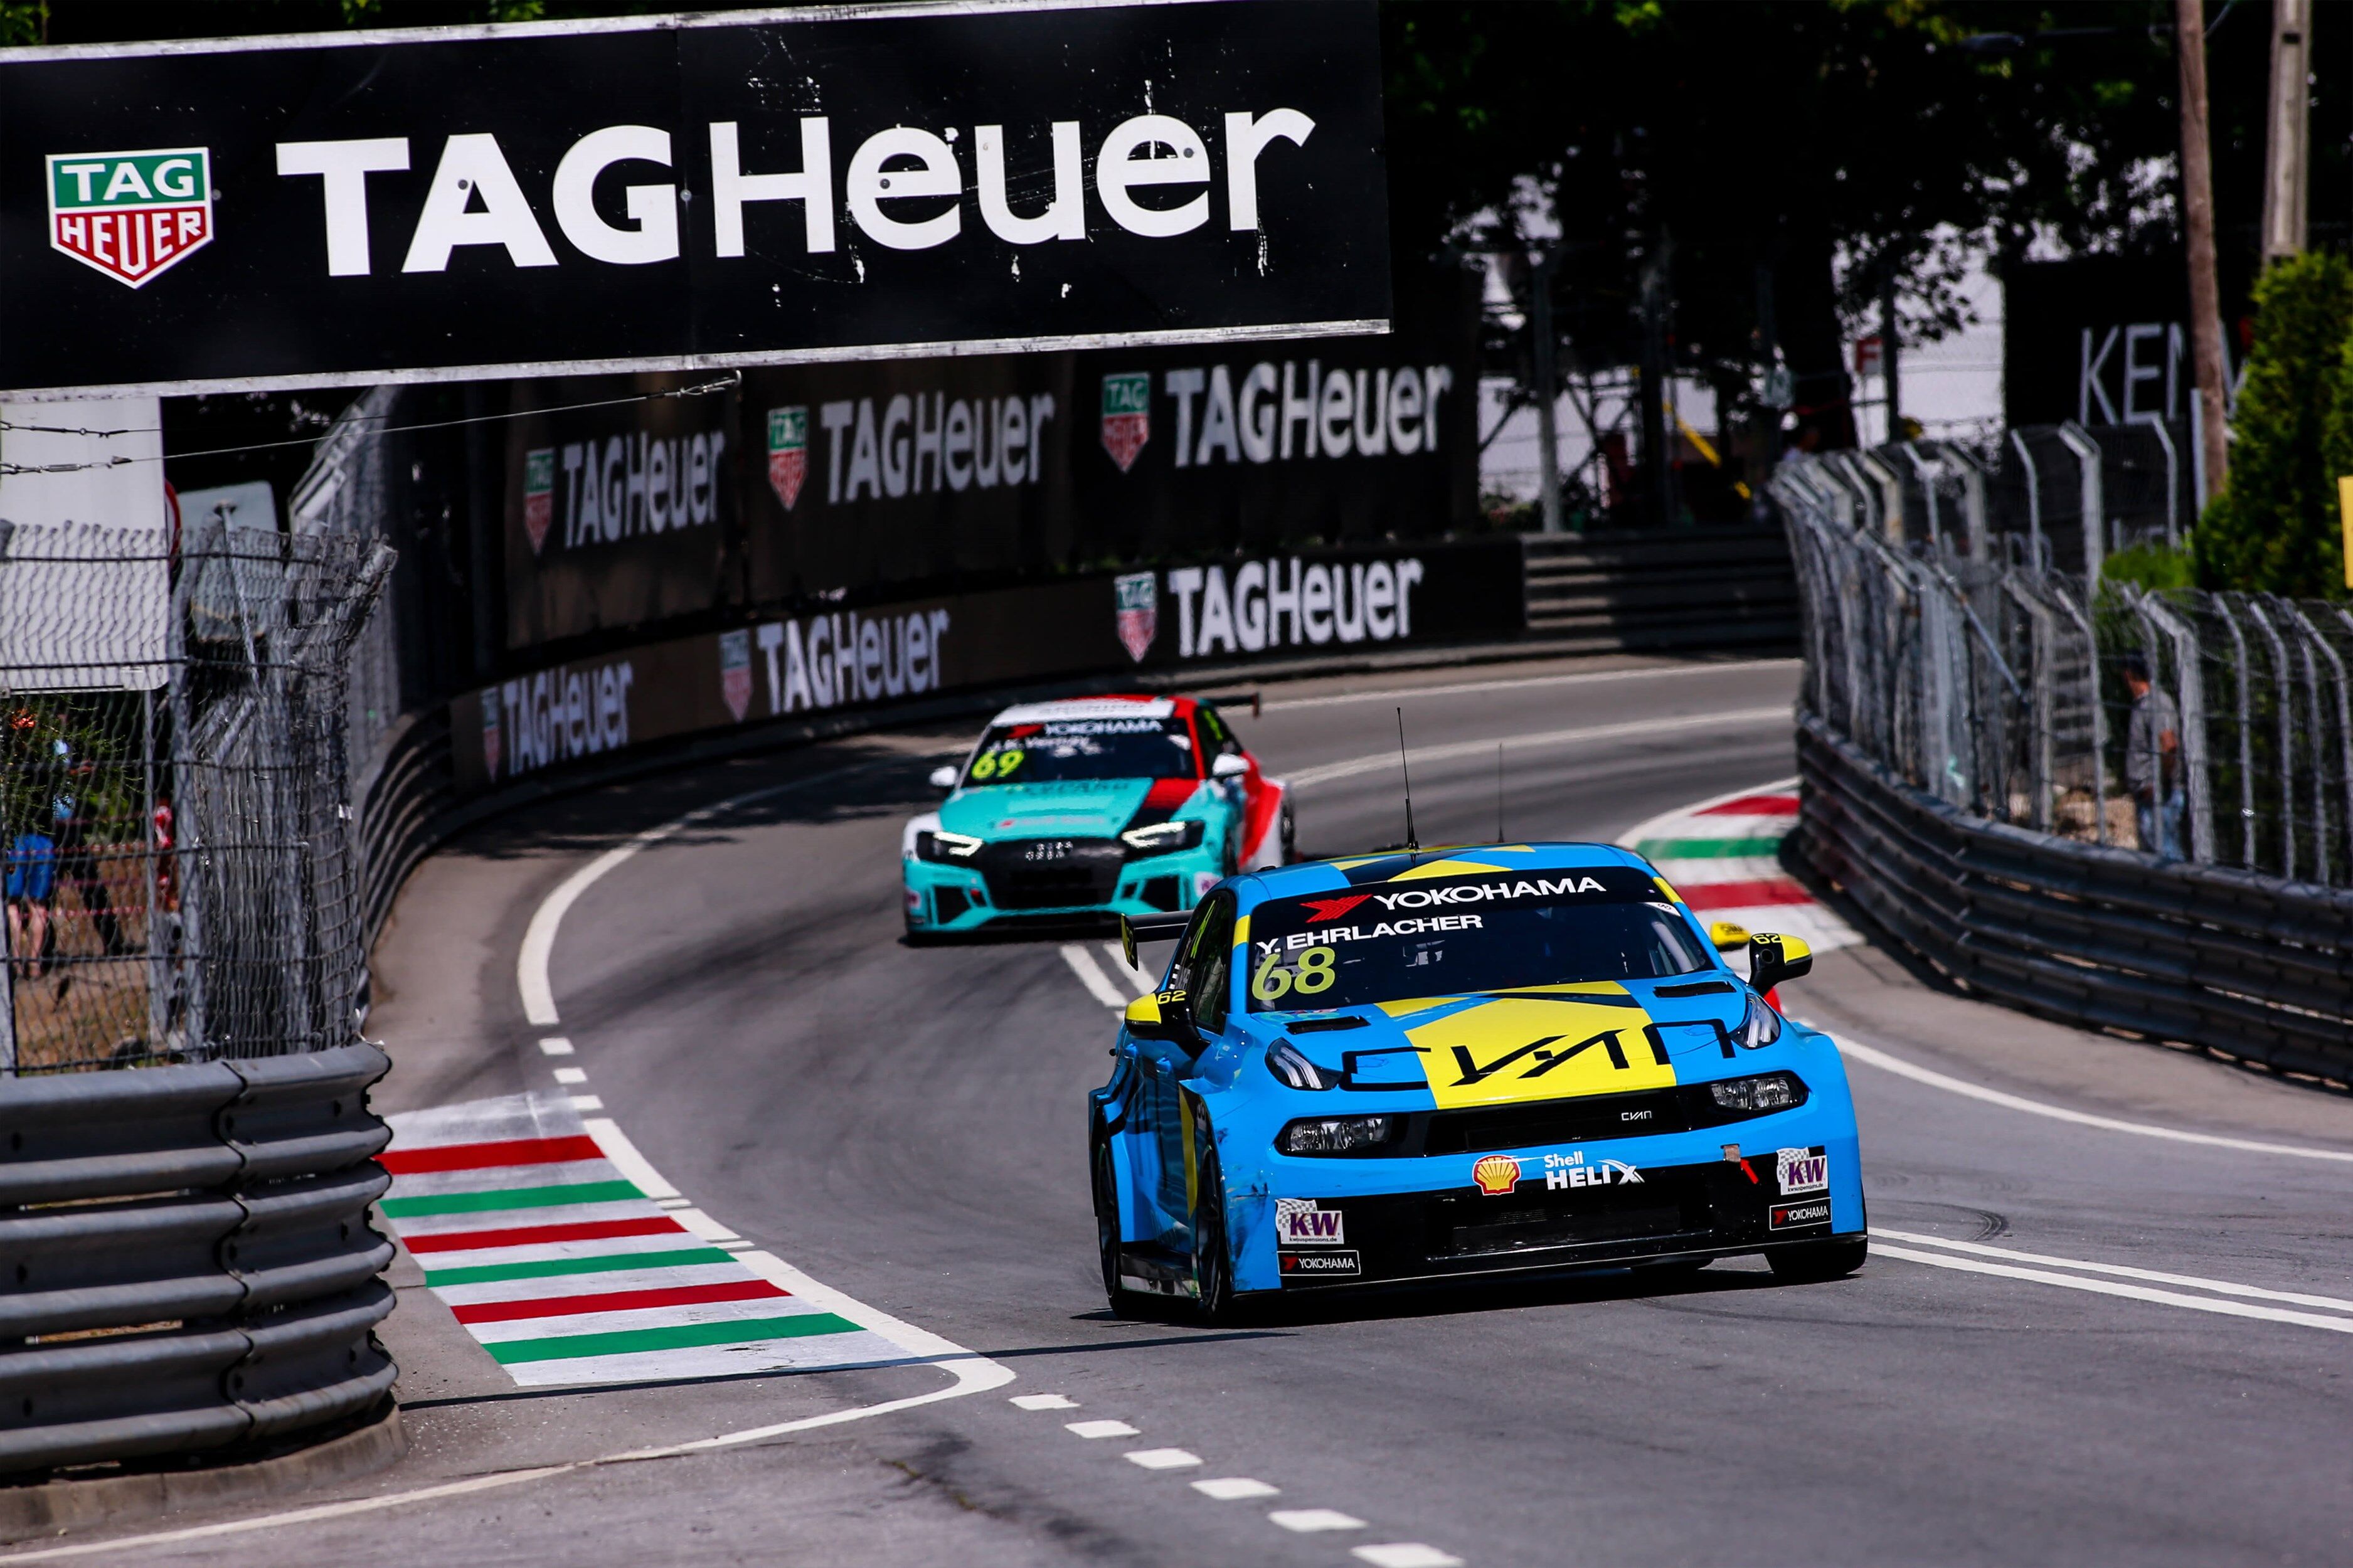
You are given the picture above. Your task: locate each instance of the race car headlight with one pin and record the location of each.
(1341, 1135)
(1756, 1096)
(1284, 1060)
(939, 846)
(1762, 1026)
(1164, 837)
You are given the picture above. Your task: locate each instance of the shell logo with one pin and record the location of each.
(1496, 1174)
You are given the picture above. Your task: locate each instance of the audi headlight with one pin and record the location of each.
(1285, 1062)
(1762, 1025)
(1756, 1096)
(939, 846)
(1341, 1135)
(1164, 837)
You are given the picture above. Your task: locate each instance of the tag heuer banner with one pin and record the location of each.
(687, 192)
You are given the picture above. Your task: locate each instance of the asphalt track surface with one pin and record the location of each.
(2144, 1361)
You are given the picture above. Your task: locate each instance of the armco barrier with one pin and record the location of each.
(186, 1257)
(2200, 954)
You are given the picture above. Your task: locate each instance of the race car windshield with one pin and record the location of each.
(1063, 749)
(1392, 942)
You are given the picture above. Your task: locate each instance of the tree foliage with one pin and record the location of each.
(2274, 526)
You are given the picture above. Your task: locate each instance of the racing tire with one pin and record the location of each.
(1213, 1265)
(1124, 1302)
(1817, 1261)
(1289, 831)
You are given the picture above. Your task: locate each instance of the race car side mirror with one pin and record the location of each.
(943, 778)
(1773, 959)
(1228, 766)
(1161, 1016)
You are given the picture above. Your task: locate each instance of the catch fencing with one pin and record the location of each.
(2130, 809)
(186, 1257)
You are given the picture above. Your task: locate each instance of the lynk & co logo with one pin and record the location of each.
(131, 214)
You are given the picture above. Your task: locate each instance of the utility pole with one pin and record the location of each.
(2198, 224)
(2288, 130)
(1887, 347)
(1548, 387)
(1658, 451)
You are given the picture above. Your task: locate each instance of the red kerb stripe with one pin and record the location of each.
(486, 1156)
(1755, 806)
(533, 1235)
(617, 1301)
(1742, 895)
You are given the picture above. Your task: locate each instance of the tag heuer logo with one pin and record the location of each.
(1126, 416)
(131, 214)
(1139, 612)
(787, 452)
(538, 494)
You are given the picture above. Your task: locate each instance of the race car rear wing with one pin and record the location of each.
(1134, 928)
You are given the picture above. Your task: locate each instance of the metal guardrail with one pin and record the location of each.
(2205, 955)
(186, 1257)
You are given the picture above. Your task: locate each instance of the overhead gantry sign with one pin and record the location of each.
(677, 192)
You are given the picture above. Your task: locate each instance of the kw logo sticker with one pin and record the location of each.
(1546, 1045)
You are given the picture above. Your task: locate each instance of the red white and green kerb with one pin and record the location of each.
(566, 1272)
(1724, 856)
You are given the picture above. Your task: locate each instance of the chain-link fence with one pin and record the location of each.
(174, 792)
(2188, 725)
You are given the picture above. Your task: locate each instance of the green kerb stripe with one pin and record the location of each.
(512, 1198)
(686, 1336)
(1705, 848)
(484, 1274)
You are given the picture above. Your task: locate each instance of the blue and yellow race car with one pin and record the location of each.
(1088, 807)
(1433, 1065)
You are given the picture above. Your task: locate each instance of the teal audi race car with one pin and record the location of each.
(1091, 807)
(1433, 1065)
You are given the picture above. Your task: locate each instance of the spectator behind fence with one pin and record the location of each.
(79, 866)
(32, 881)
(2153, 763)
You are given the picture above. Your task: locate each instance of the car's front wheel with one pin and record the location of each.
(1815, 1261)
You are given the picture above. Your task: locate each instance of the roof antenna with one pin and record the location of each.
(1412, 845)
(1499, 792)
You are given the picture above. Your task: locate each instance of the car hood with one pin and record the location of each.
(1543, 1042)
(1086, 809)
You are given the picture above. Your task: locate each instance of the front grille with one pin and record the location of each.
(1663, 1205)
(1050, 873)
(1474, 1132)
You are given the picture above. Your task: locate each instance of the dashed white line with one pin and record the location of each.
(570, 1075)
(586, 1102)
(1093, 1429)
(1406, 1554)
(1082, 964)
(2123, 1271)
(1162, 1458)
(556, 1045)
(1044, 1402)
(1234, 1489)
(1314, 1520)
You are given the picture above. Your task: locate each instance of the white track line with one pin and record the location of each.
(1082, 964)
(1375, 762)
(1314, 1520)
(1235, 1489)
(2123, 1272)
(1858, 1051)
(1139, 980)
(1590, 678)
(2106, 1288)
(1406, 1555)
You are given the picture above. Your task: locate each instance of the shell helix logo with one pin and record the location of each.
(131, 216)
(1496, 1174)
